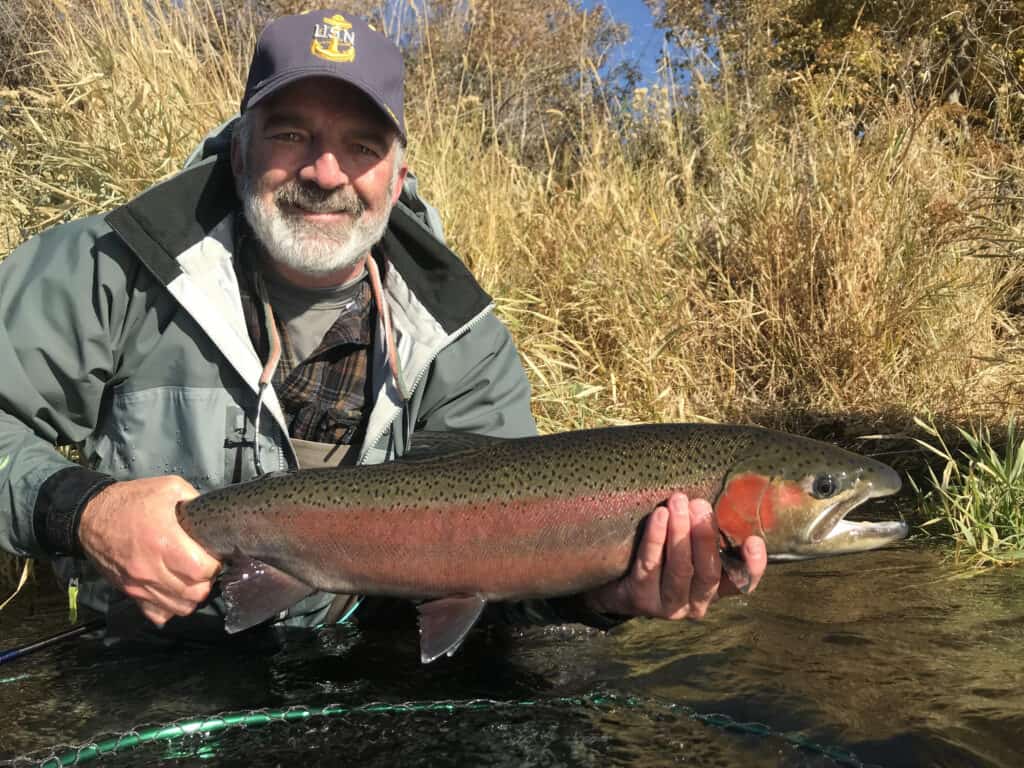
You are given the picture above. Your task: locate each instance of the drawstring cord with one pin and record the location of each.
(389, 336)
(273, 358)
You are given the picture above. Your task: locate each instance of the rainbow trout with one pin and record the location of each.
(464, 519)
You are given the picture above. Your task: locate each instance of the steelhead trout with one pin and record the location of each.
(465, 519)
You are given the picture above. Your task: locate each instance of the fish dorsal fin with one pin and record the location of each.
(429, 444)
(444, 624)
(254, 591)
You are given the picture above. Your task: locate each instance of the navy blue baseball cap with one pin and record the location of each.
(328, 44)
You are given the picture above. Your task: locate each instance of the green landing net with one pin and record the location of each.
(119, 743)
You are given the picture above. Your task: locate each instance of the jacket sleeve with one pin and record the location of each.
(62, 307)
(480, 386)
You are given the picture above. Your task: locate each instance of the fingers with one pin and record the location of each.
(707, 566)
(183, 579)
(755, 554)
(130, 530)
(645, 586)
(165, 595)
(188, 561)
(677, 570)
(155, 613)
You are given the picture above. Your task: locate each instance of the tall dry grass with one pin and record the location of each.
(682, 257)
(111, 97)
(788, 276)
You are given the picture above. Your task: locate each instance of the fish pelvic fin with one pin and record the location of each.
(254, 592)
(444, 624)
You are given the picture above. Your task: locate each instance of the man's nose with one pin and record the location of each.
(324, 170)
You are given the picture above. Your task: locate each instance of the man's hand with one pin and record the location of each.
(131, 532)
(677, 572)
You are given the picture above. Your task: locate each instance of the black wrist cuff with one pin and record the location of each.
(59, 505)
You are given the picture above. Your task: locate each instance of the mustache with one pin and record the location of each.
(315, 199)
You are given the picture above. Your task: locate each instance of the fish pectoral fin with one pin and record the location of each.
(254, 592)
(735, 568)
(444, 624)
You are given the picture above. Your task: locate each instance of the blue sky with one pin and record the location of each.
(645, 42)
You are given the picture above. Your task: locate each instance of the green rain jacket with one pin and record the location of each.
(123, 335)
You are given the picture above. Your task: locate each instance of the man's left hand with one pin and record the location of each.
(677, 572)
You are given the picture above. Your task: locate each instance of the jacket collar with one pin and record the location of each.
(173, 217)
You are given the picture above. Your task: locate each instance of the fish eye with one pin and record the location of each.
(823, 486)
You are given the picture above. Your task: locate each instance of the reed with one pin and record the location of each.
(976, 499)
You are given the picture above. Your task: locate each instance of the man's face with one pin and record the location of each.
(318, 170)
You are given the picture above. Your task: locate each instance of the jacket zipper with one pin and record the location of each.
(466, 328)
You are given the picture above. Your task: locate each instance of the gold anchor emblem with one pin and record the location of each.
(334, 40)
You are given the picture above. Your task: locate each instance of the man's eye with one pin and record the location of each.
(289, 137)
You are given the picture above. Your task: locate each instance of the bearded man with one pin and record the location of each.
(286, 302)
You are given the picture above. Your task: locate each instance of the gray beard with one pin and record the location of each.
(307, 247)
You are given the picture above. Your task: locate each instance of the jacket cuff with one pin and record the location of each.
(59, 505)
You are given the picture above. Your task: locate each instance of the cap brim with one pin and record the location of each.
(275, 84)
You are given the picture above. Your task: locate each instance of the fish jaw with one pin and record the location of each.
(848, 537)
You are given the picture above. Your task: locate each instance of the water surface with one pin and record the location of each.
(879, 659)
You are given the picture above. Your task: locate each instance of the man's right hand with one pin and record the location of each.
(130, 531)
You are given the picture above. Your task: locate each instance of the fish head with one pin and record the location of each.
(795, 493)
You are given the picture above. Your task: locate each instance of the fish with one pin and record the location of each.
(464, 519)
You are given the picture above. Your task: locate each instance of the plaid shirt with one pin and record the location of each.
(323, 397)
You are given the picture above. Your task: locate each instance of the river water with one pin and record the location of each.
(885, 658)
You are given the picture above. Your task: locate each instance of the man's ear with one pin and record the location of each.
(399, 183)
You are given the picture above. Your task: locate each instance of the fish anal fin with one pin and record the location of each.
(255, 591)
(444, 624)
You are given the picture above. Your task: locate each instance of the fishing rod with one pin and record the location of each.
(67, 634)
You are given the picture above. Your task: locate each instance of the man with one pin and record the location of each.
(271, 307)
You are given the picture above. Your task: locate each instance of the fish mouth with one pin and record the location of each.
(832, 534)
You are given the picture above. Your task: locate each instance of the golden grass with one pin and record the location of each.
(112, 103)
(808, 275)
(699, 261)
